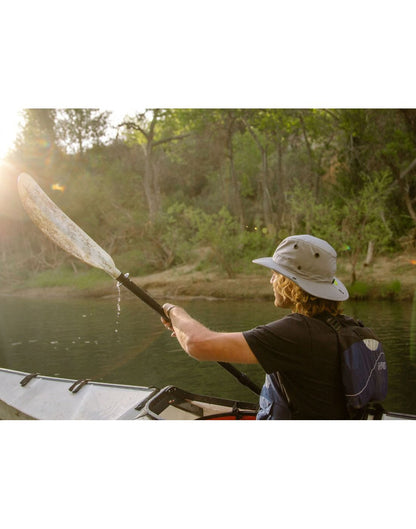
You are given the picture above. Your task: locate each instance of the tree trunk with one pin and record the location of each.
(236, 205)
(370, 254)
(279, 184)
(151, 185)
(267, 201)
(312, 162)
(151, 182)
(264, 184)
(404, 187)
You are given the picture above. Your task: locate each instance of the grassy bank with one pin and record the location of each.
(387, 278)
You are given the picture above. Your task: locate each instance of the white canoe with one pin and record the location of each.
(34, 396)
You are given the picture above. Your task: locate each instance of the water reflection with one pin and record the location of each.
(78, 339)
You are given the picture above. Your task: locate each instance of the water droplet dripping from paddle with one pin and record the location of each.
(118, 306)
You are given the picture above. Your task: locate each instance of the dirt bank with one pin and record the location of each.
(388, 277)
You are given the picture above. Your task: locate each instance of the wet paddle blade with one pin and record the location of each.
(60, 228)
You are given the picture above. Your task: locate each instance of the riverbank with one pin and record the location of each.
(387, 278)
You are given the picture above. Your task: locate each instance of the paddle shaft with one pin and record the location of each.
(142, 294)
(147, 298)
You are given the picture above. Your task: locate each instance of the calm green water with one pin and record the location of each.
(125, 342)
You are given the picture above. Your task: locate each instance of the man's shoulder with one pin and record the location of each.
(293, 322)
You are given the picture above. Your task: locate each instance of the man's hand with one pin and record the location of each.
(167, 307)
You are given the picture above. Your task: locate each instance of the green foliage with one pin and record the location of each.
(221, 232)
(310, 215)
(77, 129)
(188, 229)
(392, 289)
(134, 262)
(180, 181)
(232, 245)
(362, 290)
(359, 290)
(64, 276)
(363, 218)
(178, 232)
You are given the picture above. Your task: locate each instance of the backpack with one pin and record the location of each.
(363, 373)
(363, 364)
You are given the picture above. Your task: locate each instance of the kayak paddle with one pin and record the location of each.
(63, 231)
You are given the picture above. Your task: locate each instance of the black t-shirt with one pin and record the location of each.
(305, 353)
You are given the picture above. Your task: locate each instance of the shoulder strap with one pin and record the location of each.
(333, 322)
(278, 379)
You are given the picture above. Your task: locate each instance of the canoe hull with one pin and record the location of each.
(25, 396)
(33, 396)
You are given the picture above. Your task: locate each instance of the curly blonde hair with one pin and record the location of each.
(305, 303)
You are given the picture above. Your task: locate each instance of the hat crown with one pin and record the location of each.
(307, 257)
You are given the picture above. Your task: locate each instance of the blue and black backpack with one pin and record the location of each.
(363, 365)
(363, 372)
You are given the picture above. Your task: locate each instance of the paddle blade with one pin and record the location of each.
(60, 228)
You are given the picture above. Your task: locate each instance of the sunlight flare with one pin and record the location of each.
(58, 187)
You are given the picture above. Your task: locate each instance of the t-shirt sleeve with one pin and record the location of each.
(275, 344)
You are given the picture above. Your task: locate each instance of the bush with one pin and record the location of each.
(133, 262)
(359, 290)
(220, 231)
(391, 290)
(182, 229)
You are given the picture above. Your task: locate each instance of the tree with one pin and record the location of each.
(404, 169)
(262, 145)
(223, 125)
(147, 124)
(348, 175)
(364, 219)
(81, 128)
(36, 147)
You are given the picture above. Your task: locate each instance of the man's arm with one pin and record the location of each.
(203, 344)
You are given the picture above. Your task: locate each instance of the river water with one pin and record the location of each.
(123, 341)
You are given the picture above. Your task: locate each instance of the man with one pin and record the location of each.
(298, 352)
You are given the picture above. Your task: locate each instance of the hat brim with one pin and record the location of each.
(334, 291)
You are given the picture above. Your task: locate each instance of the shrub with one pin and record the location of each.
(359, 290)
(391, 290)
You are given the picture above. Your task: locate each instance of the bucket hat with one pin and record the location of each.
(309, 262)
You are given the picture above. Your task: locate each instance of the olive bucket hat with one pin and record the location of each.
(309, 262)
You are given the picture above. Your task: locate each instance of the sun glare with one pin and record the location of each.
(10, 204)
(58, 187)
(10, 120)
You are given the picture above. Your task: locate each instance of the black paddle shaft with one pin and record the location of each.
(241, 377)
(147, 298)
(142, 294)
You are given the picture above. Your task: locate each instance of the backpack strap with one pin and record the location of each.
(333, 322)
(277, 377)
